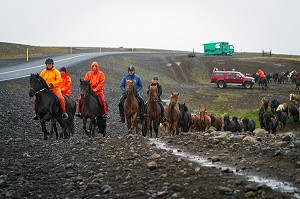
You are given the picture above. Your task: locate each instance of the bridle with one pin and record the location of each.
(36, 92)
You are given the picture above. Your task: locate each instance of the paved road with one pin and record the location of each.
(24, 70)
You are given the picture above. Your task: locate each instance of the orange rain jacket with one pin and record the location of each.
(52, 76)
(97, 79)
(65, 86)
(261, 73)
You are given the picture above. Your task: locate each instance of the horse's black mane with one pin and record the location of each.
(43, 82)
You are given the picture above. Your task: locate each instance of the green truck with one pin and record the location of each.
(218, 48)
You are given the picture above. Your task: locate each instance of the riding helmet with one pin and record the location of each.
(49, 61)
(131, 68)
(155, 78)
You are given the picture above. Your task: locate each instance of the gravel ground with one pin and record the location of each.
(189, 165)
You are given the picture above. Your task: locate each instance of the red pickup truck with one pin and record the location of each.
(224, 78)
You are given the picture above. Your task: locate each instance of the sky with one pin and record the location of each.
(249, 25)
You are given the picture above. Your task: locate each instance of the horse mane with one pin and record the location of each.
(43, 82)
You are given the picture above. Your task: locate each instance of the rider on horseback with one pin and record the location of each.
(53, 78)
(138, 85)
(97, 80)
(159, 88)
(261, 75)
(65, 85)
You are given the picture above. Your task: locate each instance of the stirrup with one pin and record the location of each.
(105, 115)
(35, 117)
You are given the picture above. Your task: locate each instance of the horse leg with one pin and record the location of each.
(155, 126)
(176, 128)
(44, 129)
(149, 126)
(93, 125)
(84, 126)
(128, 121)
(168, 129)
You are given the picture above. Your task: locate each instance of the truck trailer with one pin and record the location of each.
(218, 48)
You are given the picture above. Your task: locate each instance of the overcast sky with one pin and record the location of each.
(250, 25)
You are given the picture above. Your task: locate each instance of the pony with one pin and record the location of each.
(91, 109)
(261, 119)
(274, 104)
(172, 115)
(131, 107)
(283, 108)
(153, 111)
(216, 121)
(294, 97)
(235, 125)
(262, 83)
(226, 122)
(47, 108)
(270, 123)
(294, 110)
(263, 104)
(205, 120)
(249, 125)
(185, 120)
(195, 125)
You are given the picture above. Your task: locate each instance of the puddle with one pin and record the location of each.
(281, 186)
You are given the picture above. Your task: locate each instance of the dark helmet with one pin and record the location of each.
(49, 61)
(155, 78)
(131, 68)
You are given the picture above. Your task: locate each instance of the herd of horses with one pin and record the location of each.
(178, 117)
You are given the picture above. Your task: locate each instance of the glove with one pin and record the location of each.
(50, 85)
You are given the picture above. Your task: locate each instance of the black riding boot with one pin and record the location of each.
(142, 106)
(121, 108)
(162, 113)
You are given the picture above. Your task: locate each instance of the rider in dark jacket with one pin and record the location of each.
(138, 85)
(159, 88)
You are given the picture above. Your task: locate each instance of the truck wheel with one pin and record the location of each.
(247, 85)
(221, 84)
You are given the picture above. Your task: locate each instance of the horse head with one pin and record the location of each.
(129, 86)
(153, 93)
(173, 98)
(85, 87)
(202, 115)
(37, 84)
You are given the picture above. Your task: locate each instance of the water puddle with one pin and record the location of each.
(281, 186)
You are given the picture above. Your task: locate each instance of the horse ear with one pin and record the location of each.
(178, 94)
(171, 93)
(80, 80)
(37, 75)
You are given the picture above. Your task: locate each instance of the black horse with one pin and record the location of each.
(47, 108)
(262, 83)
(91, 108)
(185, 120)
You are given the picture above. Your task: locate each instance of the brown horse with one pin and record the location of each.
(172, 115)
(205, 120)
(196, 122)
(131, 107)
(153, 111)
(216, 121)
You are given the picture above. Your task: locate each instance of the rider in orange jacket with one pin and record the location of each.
(97, 80)
(260, 73)
(65, 86)
(53, 78)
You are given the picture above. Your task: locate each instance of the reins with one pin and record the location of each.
(36, 92)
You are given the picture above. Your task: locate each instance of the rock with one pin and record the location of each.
(152, 165)
(225, 190)
(260, 132)
(215, 159)
(250, 139)
(287, 138)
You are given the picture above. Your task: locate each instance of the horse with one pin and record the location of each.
(153, 111)
(172, 115)
(185, 120)
(216, 121)
(294, 97)
(226, 123)
(263, 104)
(262, 83)
(294, 110)
(235, 125)
(249, 125)
(47, 108)
(274, 104)
(195, 125)
(131, 107)
(91, 109)
(205, 120)
(270, 122)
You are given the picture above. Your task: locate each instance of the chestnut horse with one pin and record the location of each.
(153, 111)
(172, 115)
(205, 120)
(131, 107)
